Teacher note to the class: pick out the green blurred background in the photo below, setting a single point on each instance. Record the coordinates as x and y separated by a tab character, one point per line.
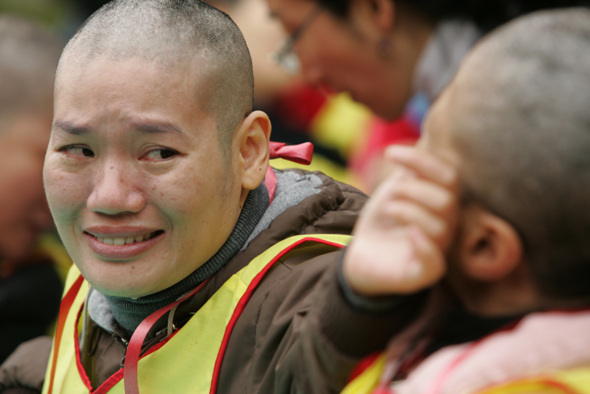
63	16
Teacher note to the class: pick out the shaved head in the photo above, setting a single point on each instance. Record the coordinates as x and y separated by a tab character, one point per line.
520	120
176	34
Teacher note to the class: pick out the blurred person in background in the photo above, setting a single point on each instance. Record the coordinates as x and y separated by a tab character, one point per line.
30	286
488	216
394	56
300	112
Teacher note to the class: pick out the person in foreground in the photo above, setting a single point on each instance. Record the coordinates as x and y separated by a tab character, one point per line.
489	214
196	269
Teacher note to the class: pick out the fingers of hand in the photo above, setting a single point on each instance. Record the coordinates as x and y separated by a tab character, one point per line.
423	191
429	257
407	263
408	213
424	165
413	201
404	229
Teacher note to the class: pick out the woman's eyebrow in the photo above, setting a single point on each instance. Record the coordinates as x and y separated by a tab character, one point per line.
157	127
70	128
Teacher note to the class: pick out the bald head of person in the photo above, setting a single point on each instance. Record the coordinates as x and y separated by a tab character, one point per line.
153	134
178	36
516	121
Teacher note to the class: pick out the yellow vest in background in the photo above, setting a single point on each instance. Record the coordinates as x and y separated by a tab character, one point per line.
573	381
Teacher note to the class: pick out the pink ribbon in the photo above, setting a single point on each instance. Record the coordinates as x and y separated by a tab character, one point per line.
301	154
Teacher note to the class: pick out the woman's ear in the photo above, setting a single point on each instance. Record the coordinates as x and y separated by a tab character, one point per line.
253	137
489	247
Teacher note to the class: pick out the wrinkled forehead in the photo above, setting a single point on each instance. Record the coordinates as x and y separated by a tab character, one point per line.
107	88
174	61
137	73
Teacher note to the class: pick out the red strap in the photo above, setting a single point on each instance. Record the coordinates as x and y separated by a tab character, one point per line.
64	308
301	154
136	342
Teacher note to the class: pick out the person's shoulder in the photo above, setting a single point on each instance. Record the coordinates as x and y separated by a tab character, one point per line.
313	202
317	182
24	370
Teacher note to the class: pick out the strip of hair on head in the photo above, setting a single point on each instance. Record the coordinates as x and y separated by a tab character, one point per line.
522	127
173	32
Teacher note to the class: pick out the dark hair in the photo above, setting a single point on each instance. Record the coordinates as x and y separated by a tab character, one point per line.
487	14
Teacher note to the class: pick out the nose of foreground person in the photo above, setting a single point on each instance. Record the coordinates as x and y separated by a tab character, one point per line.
115	191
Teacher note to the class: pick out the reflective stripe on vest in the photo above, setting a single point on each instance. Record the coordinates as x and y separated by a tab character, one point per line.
367	382
572	381
198	347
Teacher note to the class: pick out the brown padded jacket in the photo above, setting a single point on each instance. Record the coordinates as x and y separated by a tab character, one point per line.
299	333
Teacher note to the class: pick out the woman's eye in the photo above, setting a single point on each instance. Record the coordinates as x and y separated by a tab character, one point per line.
161	154
79	151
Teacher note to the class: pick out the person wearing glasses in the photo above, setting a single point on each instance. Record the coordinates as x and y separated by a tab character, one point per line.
393	56
197	268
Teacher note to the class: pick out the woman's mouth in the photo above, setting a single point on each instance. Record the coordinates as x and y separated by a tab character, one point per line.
120	241
123	247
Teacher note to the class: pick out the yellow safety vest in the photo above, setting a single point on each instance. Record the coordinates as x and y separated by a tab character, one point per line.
367	381
573	381
187	361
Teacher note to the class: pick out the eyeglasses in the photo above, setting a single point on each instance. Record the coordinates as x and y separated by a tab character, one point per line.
285	56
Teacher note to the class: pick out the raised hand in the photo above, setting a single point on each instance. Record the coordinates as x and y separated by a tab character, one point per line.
404	230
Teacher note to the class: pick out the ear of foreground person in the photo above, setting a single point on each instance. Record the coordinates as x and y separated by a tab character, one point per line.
505	243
